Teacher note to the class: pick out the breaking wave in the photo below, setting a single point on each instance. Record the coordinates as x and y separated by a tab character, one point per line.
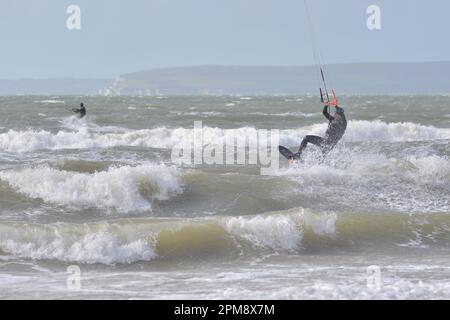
296	231
125	188
89	136
78	243
373	131
410	183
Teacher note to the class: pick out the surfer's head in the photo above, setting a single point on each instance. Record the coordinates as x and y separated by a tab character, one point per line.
338	112
82	104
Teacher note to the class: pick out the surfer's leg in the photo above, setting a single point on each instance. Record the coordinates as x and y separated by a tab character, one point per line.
328	145
316	140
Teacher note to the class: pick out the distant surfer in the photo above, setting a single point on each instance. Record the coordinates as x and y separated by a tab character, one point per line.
81	110
337	124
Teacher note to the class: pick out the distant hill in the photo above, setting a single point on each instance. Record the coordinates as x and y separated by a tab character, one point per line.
357	78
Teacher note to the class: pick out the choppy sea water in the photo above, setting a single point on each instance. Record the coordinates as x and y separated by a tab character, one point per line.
103	194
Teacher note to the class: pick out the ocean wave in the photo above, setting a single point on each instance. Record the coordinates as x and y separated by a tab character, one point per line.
78	165
123	188
89	136
372	131
392	287
144	239
409	183
51	101
84	124
393	132
430	171
94	243
275	232
288	232
288	114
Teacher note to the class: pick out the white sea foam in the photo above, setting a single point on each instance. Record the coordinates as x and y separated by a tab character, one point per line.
371	131
52	101
391	289
82	244
76	124
426	169
274	232
121	188
321	224
430	171
89	136
377	180
393	132
287	114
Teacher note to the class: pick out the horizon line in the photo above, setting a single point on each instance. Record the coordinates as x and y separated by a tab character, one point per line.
222	66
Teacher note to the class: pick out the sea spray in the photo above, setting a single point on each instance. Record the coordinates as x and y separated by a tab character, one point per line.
126	188
162	137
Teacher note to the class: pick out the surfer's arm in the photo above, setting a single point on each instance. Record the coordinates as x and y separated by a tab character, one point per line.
326	114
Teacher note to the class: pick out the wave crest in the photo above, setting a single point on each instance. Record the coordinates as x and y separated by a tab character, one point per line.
123	188
163	137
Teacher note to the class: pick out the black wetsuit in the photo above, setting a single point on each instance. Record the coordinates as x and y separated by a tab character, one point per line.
335	131
81	111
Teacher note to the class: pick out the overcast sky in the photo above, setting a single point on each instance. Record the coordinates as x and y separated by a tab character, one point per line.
120	36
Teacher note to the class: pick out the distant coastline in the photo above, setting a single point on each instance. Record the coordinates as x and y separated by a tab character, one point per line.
356	78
